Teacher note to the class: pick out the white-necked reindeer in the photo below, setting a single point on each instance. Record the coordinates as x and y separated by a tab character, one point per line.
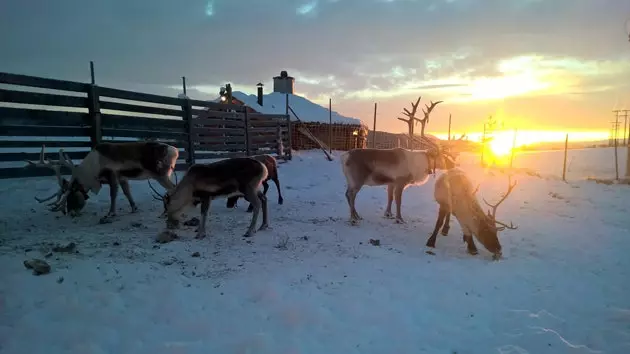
455	195
241	176
115	163
397	168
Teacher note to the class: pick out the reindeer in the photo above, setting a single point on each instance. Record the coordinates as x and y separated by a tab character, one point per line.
397	168
116	163
76	199
455	195
241	176
272	168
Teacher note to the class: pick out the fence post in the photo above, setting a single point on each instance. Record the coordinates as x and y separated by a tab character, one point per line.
279	146
188	125
94	112
248	143
564	165
374	128
289	128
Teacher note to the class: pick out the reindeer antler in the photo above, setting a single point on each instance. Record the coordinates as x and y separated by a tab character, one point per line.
494	207
55	166
428	110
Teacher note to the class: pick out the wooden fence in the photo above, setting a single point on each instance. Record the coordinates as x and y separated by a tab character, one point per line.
82	115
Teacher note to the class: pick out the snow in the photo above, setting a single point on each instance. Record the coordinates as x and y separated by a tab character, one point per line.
562	286
307	111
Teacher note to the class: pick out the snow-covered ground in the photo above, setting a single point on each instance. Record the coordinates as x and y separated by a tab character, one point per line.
315	284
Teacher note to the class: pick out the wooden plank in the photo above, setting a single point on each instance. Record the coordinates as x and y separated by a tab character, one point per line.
135	133
114	121
262	140
229	131
268	123
34	156
44	99
217	106
264	145
23	116
135	108
33	130
221	147
218	139
214	122
34	81
200	113
261	116
38	144
218	155
263	130
139	96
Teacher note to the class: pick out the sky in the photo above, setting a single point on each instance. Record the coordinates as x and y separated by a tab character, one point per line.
559	65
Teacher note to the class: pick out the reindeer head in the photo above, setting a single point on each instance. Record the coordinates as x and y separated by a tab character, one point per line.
489	226
166	197
440	158
74	198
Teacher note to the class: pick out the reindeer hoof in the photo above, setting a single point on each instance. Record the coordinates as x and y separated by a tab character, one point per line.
430	244
400	221
473	252
134	209
263	227
107	219
200	235
444	232
388	215
249	234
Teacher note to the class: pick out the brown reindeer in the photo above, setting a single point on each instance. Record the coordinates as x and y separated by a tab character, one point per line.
455	195
397	168
241	176
115	163
272	167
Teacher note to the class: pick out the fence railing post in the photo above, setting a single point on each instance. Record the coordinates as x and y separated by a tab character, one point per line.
188	126
94	112
279	144
248	142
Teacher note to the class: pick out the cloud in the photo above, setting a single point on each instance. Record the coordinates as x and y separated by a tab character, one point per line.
353	50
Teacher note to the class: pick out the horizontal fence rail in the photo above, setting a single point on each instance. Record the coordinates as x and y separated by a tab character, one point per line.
76	116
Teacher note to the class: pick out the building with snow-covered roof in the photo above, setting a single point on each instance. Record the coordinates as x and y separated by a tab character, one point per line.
310	121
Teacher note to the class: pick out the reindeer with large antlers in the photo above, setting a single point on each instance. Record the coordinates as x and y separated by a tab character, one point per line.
115	164
455	195
76	199
412	120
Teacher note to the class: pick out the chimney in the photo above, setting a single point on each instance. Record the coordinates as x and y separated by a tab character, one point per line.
260	94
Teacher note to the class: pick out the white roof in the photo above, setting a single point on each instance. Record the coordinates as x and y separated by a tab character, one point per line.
307	111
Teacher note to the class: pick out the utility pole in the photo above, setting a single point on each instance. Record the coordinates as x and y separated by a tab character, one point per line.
626	137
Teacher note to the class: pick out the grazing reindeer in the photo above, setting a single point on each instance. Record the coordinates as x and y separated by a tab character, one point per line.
397	168
272	168
76	199
455	195
117	163
241	176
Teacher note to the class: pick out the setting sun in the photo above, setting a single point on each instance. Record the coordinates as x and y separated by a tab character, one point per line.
501	145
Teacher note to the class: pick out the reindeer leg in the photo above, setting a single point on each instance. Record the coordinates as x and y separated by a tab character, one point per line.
472	248
124	185
265	215
277	182
112	180
265	189
390	198
447	224
440	220
351	195
398	189
253	196
205	208
231	202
